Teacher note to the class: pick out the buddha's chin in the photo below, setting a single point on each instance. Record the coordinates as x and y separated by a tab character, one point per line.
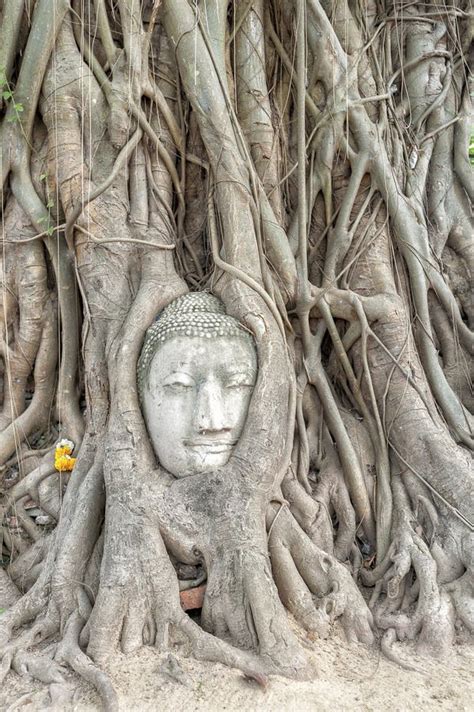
200	460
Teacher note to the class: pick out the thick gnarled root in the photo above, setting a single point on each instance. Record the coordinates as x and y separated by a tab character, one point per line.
462	595
101	629
241	604
137	603
413	608
461	589
302	571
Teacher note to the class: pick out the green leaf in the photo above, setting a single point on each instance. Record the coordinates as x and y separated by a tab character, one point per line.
43	176
18	107
7	94
50	203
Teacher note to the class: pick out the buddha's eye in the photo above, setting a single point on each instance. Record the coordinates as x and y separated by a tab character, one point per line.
239	384
178	385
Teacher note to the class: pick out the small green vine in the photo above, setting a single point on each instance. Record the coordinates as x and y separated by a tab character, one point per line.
9	97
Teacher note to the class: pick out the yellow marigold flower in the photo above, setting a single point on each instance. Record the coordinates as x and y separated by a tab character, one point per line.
63	461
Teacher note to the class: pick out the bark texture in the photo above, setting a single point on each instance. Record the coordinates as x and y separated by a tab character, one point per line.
307	162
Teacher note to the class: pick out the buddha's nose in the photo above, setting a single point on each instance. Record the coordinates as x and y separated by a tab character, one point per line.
210	411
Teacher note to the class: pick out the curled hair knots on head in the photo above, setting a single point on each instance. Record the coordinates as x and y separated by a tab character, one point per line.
195	314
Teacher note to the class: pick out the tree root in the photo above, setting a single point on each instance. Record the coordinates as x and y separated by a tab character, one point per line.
432	621
5	666
69	652
203	645
301	569
39	667
386	644
332	490
461	589
8	591
35	416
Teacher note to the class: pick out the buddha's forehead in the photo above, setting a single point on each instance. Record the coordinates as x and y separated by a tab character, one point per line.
202	355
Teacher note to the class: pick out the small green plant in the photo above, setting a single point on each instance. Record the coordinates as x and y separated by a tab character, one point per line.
49	229
9	97
471	149
17	106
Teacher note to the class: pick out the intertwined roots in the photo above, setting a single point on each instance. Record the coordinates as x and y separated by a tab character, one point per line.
313	175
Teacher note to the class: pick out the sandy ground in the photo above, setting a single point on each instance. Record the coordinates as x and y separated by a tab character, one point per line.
345	678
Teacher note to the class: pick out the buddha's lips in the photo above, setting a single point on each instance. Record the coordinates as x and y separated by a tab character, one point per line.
211	447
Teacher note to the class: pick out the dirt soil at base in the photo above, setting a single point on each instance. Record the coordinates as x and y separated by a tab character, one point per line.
346	677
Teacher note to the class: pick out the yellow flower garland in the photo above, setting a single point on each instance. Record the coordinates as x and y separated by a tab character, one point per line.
63	461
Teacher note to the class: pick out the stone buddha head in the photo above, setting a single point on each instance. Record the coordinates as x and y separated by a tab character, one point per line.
196	374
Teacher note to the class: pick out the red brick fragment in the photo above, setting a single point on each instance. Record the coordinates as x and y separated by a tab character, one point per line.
192	598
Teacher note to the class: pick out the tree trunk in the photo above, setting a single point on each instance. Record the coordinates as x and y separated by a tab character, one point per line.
307	162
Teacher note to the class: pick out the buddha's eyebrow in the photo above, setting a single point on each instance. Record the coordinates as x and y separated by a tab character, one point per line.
180	365
249	371
174	370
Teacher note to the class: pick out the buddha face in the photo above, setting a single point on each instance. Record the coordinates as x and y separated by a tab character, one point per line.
195	400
